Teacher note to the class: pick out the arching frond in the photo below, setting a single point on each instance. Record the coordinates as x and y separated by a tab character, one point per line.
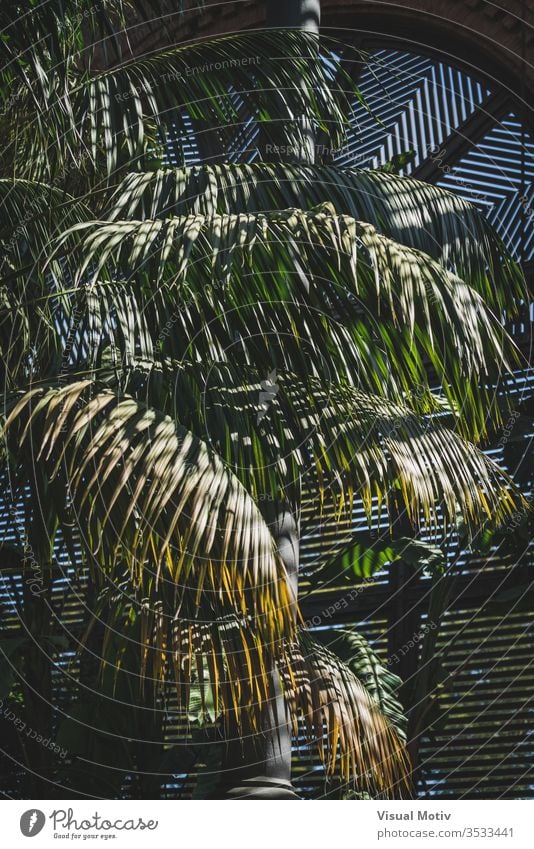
33	216
361	744
356	445
366	553
227	665
382	685
416	214
109	120
371	309
221	667
149	495
41	35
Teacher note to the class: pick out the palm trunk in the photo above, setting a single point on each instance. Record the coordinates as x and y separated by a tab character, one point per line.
283	145
260	767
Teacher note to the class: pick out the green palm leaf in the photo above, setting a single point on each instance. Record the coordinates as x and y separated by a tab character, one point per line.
354	444
108	120
368	553
33	216
416	214
135	359
387	308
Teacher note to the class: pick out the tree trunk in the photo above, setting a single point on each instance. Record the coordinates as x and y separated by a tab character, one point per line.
293	140
260	767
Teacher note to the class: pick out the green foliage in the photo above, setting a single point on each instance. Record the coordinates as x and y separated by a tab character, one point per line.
369	553
142	310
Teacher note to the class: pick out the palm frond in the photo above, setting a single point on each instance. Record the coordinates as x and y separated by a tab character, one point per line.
387	309
351	444
151	496
32	307
228	666
353	737
108	120
416	214
222	669
52	31
45	45
381	684
34	215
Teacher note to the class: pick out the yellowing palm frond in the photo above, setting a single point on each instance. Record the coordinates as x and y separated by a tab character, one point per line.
353	737
150	495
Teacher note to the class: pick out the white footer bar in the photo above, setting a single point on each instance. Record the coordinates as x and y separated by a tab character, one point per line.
260	825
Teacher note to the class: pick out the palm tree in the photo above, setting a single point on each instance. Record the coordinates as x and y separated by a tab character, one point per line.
190	353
